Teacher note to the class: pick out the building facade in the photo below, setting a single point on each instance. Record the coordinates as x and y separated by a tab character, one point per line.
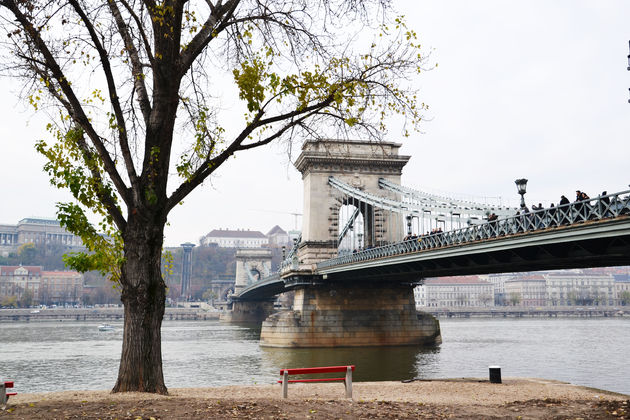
226	238
622	291
16	280
526	291
580	287
61	287
46	287
39	231
452	292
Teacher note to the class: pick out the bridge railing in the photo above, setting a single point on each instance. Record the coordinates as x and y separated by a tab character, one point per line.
601	207
288	261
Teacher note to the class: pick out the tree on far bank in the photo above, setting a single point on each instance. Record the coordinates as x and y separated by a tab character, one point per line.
134	94
27	253
514	298
9	302
26	299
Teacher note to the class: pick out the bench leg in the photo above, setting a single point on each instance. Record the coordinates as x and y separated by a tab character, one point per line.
3	394
348	382
285	384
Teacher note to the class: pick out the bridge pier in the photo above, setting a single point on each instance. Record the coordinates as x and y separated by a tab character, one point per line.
337	315
248	312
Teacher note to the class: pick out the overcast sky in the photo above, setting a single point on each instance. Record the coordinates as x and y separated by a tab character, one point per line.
533	89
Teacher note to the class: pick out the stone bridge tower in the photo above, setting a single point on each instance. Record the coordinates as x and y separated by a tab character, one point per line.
356	163
252	264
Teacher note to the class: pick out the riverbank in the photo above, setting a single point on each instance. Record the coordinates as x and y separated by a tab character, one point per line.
98	314
460	398
197	314
532	312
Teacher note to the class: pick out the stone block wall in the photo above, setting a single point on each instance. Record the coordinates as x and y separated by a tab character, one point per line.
337	316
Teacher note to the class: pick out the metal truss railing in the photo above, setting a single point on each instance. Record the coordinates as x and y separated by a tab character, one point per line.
271	278
457	205
415	209
603	207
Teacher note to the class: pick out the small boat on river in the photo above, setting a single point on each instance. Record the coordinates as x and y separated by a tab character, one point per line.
105	327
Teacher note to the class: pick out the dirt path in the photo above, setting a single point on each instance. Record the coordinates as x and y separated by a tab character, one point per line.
464	398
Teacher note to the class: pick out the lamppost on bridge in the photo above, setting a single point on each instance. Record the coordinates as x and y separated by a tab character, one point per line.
521	186
409	219
629	64
360	236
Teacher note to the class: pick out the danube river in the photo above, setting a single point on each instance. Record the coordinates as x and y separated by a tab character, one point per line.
51	356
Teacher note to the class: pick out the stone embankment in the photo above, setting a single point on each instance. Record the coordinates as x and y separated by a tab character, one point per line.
97	314
531	312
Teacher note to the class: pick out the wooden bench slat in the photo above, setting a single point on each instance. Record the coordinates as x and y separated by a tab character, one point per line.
315	380
324	369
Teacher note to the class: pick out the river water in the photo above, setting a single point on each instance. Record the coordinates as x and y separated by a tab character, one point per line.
51	356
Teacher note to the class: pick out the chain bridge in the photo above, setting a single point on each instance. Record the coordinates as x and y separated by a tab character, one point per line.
367	241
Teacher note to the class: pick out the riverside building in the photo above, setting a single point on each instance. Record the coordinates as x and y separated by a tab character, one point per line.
580	287
465	291
529	290
45	287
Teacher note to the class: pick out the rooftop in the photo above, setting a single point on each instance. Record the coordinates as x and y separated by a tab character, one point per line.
226	233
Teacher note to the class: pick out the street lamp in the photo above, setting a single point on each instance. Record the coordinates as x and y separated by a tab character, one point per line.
409	218
521	186
360	236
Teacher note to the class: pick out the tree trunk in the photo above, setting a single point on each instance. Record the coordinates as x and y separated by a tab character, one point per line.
143	296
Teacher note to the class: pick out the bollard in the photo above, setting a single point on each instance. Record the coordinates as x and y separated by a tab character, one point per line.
495	374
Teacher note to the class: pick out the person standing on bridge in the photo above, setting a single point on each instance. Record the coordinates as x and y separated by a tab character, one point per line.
604	205
581	206
552	215
564	210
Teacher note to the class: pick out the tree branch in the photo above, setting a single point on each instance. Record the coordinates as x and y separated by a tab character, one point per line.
209	166
208	32
73	104
136	64
113	95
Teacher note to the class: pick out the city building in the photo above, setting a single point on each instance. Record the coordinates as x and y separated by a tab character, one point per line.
622	288
526	290
15	280
61	287
240	238
498	281
39	231
449	292
278	237
580	287
46	287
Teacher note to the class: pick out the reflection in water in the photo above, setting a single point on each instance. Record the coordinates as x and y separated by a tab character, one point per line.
372	363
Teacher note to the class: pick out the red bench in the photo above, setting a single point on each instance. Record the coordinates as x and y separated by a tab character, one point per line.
347	380
4	395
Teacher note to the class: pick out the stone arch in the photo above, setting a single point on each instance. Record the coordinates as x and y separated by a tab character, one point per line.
249	260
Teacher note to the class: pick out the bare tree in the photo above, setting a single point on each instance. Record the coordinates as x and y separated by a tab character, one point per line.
131	84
